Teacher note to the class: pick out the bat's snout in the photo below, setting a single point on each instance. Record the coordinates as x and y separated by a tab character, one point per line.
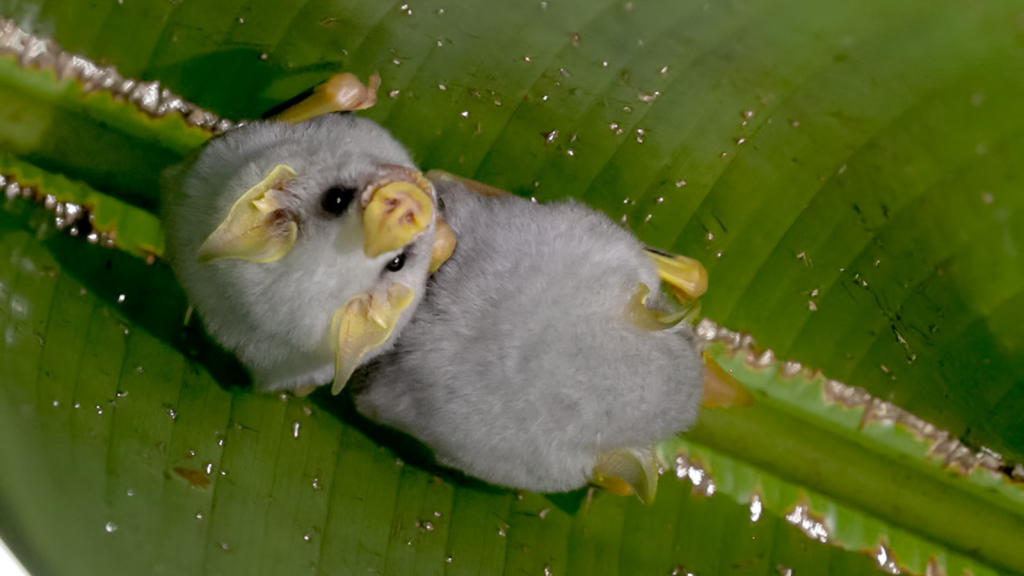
397	209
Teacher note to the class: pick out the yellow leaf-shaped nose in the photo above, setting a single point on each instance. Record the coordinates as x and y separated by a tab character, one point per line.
396	214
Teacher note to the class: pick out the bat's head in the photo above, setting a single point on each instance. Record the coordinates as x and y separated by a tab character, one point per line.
319	233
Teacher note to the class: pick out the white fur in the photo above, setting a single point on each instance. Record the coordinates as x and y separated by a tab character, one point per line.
276	317
519	366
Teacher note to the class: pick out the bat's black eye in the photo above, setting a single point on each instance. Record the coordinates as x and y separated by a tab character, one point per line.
337	199
396	264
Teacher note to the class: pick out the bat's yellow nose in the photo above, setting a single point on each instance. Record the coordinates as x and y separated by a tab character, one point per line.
397	213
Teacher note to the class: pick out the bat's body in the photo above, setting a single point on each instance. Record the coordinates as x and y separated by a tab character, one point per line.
522	365
268	269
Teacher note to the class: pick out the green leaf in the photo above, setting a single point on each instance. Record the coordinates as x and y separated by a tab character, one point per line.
848	173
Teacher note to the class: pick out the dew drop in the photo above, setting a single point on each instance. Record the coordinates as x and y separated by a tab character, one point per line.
549	137
613	126
574	38
394	93
627	109
604	64
437	514
448	559
570	152
664	70
680	183
316	483
428	526
465	114
755	508
307	410
110	527
120	298
442	87
172	413
501	532
710	236
295	429
396	62
130	492
659	200
199	515
723	154
543	513
740	140
56	403
307	537
747	114
209	467
225	546
527	59
564	72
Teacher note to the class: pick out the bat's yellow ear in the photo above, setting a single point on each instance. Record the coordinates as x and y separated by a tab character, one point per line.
256	229
721	390
444	245
627	470
361	325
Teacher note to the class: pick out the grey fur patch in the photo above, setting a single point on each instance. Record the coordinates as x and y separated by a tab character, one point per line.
519	366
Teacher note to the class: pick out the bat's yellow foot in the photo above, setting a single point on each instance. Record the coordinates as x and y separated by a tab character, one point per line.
340	93
685	277
628	470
